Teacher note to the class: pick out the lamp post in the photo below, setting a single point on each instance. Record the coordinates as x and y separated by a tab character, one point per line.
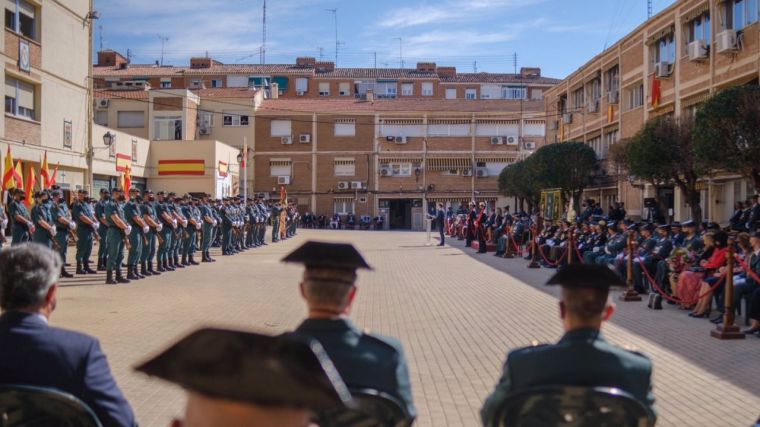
89	153
242	159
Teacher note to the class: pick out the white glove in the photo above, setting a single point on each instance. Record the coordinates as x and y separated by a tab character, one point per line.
128	230
72	225
145	229
215	223
174	223
4	223
53	230
184	223
596	249
160	227
197	225
95	226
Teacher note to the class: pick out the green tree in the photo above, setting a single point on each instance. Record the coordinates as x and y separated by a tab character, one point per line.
520	180
727	132
662	152
568	166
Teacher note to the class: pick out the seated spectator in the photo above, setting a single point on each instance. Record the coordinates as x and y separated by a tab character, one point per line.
690	278
754	314
241	379
34	353
713	271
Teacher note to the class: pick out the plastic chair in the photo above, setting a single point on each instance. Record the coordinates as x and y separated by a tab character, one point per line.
373	409
32	406
566	406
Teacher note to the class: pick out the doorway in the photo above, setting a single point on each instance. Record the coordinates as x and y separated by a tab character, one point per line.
400	212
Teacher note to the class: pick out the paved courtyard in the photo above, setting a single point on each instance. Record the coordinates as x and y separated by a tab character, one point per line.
456	312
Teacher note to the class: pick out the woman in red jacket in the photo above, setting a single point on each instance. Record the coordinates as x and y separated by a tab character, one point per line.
713	265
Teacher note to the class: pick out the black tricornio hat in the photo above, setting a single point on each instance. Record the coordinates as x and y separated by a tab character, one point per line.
283	371
689	223
103	191
586	276
328	255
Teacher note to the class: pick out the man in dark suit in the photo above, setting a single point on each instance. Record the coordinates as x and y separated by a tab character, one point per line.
440	220
582	357
750	285
34	353
363	360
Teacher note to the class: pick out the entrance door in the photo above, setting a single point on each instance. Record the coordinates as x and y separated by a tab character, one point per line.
400	214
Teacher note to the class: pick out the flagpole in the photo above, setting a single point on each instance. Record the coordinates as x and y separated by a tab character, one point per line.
245	168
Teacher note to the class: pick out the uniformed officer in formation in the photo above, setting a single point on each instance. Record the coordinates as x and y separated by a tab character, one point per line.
65	224
87	228
363	360
582	357
138	234
22	225
169	224
275	216
179	232
207	230
3	224
118	230
191	212
148	212
100	215
43	221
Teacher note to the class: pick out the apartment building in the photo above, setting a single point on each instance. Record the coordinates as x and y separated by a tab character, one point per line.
669	65
45	68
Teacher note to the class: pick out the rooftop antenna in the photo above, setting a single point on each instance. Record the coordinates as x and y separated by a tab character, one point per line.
649	9
321	53
400	51
335	17
100	29
474	66
264	35
163	39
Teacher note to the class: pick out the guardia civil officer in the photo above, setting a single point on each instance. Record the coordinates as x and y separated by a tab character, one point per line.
582	357
87	228
61	216
148	211
138	231
118	230
22	226
209	222
43	221
100	215
169	223
363	360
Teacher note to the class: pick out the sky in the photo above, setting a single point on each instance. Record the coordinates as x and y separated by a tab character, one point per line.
474	35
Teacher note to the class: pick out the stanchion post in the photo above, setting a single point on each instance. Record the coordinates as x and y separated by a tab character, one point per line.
508	252
570	246
534	249
630	293
728	331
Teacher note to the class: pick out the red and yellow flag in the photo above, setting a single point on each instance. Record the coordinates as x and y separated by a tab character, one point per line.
656	92
44	173
283	194
19	175
9	172
30	182
54	176
181	167
127	180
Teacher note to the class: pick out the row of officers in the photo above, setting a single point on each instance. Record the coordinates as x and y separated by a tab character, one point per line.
144	227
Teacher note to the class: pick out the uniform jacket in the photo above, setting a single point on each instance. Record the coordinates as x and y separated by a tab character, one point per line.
581	358
34	353
363	360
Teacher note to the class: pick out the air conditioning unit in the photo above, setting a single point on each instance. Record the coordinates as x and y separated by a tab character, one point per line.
510	140
283	180
357	185
286	140
203	130
304	138
466	172
300	93
103	104
400	140
385	170
481	173
554	125
613	97
567	118
390	138
698	50
496	140
593	106
726	41
663	69
344	185
530	145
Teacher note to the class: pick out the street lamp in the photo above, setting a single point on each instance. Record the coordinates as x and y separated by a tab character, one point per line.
109	138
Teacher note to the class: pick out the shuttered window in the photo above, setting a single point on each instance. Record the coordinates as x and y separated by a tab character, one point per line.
130	119
344	89
281	127
345	127
280	167
19	98
345	167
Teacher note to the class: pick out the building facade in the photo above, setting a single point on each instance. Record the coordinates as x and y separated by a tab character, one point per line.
669	65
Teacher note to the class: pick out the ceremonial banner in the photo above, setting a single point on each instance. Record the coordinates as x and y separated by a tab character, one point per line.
11	178
123	162
44	174
181	167
224	169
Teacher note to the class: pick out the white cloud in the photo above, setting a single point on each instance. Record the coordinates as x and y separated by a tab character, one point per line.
449	11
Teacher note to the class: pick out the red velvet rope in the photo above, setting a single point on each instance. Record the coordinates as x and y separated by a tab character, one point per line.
668	297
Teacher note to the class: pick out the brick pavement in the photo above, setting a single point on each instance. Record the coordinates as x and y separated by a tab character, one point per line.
456	312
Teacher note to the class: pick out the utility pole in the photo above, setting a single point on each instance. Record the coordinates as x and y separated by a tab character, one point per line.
400	51
264	35
164	39
335	17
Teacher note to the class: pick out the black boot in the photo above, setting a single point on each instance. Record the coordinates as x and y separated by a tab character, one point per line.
650	302
65	273
136	272
109	278
144	271
79	268
184	260
87	268
130	273
205	257
151	270
101	264
658	302
119	278
160	267
192	260
168	266
177	263
208	255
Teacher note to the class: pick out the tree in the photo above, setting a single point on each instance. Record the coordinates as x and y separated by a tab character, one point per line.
662	152
520	180
727	132
569	166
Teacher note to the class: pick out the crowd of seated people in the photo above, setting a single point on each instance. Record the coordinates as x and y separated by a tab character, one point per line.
342	222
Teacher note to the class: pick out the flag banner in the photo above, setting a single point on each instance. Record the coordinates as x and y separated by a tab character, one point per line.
656	92
127	180
45	174
11	179
123	161
30	182
224	169
181	167
54	177
19	175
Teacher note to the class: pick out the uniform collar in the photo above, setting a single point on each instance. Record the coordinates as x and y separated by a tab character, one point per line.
583	334
329	324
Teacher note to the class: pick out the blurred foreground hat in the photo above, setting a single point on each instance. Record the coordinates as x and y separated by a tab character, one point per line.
328	255
586	276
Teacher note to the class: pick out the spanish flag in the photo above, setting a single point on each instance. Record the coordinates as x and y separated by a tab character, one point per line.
11	178
181	167
44	173
54	176
19	173
127	179
30	182
656	92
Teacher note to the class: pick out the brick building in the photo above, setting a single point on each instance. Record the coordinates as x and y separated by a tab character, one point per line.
691	49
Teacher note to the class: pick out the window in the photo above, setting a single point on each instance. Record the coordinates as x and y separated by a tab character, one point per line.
636	96
739	14
609	139
470	93
216	83
386	88
280	128
302	84
237	81
20	16
280	167
345	167
344	206
578	98
344	89
166	83
665	49
451	93
699	29
448	127
324	88
401	169
450	172
612	80
407	89
594	89
167	128
230	118
196	83
596	144
345	127
134	150
130	119
427	88
513	92
206	121
536	94
19	98
101	118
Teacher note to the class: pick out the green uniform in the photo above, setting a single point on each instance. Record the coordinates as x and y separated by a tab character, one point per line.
100	214
581	358
363	360
149	250
61	210
19	230
207	229
167	232
85	232
115	235
132	210
275	215
41	213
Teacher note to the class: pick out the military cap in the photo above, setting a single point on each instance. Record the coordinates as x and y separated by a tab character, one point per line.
628	222
713	226
612	226
116	190
148	192
689	223
38	194
103	191
55	187
161	193
282	371
648	226
663	227
56	193
83	191
134	190
328	255
586	276
19	191
171	193
676	224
